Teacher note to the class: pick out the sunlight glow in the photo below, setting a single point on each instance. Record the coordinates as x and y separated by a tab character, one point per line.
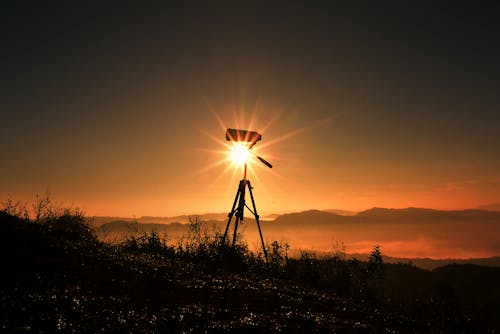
239	153
232	156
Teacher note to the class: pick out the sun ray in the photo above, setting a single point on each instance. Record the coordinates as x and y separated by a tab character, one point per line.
216	115
210	166
232	155
271	122
215	139
223	173
253	117
298	131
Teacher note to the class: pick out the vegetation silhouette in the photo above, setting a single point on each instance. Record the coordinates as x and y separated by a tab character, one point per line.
57	276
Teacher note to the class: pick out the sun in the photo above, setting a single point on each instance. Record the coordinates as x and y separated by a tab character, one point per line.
239	153
235	156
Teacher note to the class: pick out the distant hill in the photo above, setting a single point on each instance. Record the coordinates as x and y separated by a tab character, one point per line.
388	215
271	216
426	215
490	207
402	233
120	226
182	219
430	264
341	212
314	217
379	214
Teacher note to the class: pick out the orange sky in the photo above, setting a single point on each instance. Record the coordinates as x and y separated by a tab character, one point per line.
182	175
363	106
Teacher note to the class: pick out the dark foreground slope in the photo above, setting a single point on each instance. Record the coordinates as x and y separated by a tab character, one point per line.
57	277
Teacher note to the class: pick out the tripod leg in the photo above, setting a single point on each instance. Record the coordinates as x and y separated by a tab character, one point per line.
235	233
239	210
257	219
231	214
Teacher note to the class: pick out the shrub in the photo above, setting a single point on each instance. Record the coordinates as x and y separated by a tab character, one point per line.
277	254
150	244
375	267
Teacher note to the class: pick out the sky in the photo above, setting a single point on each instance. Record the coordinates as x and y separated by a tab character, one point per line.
120	108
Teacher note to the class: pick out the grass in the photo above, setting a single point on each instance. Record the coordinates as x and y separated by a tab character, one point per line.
57	276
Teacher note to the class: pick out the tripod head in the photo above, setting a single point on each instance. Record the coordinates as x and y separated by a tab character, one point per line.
247	139
239	136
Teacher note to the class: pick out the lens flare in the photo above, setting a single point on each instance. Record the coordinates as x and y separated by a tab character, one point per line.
233	156
239	153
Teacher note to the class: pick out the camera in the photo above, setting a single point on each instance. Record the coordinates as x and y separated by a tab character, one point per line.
243	136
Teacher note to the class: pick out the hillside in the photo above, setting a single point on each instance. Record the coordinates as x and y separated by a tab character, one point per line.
410	233
97	221
58	277
402	233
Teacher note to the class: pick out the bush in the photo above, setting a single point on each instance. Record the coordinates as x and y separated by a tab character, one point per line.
69	224
375	267
150	244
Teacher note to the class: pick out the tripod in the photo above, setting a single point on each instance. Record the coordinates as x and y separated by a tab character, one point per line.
238	211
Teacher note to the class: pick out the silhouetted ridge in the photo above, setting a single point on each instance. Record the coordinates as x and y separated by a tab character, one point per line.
423	215
119	226
408	213
310	217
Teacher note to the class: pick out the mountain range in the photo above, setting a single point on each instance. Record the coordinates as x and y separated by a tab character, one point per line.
401	233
